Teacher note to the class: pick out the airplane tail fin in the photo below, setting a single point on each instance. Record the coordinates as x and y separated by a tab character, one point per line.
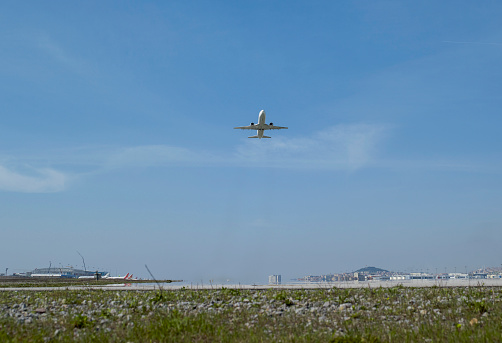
259	137
125	277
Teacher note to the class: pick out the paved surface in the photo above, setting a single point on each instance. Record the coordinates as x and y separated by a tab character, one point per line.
348	284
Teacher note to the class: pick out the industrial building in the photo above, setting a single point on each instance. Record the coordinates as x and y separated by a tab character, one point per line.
63	272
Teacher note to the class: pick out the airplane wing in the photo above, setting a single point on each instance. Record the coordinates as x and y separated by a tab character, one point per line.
272	127
249	127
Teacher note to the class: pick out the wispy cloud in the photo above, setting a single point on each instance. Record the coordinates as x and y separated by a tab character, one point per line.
40	181
341	147
345	147
159	155
62	56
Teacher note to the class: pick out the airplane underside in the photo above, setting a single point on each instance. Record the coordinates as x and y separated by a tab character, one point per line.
259	134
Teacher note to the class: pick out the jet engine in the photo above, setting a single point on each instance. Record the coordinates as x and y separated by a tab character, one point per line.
271	124
252	124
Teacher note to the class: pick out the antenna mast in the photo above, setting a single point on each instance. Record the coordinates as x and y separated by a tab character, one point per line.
82	260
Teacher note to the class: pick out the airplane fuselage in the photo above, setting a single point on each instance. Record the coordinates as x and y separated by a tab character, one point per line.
261	122
261	117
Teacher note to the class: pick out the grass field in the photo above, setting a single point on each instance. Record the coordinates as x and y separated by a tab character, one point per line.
398	314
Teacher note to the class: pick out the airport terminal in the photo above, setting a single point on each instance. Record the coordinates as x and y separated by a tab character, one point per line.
59	272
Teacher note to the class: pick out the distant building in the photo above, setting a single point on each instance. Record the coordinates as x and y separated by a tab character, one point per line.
66	272
493	276
458	276
372	271
421	276
274	280
360	277
479	275
21	274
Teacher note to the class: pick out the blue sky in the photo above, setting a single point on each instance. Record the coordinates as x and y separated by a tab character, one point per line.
116	136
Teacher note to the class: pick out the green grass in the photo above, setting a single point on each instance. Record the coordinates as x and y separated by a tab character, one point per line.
399	314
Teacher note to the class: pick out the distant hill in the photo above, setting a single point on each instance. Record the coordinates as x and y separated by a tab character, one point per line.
371	270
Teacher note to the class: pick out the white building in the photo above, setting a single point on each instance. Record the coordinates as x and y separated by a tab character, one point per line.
458	276
274	280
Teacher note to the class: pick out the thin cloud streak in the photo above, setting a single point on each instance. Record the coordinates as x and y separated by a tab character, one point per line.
44	181
55	51
158	155
341	147
346	147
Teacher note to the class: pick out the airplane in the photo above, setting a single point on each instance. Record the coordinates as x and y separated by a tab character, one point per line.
260	127
108	277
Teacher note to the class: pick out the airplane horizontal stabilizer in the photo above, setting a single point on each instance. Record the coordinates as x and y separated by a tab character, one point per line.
253	137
